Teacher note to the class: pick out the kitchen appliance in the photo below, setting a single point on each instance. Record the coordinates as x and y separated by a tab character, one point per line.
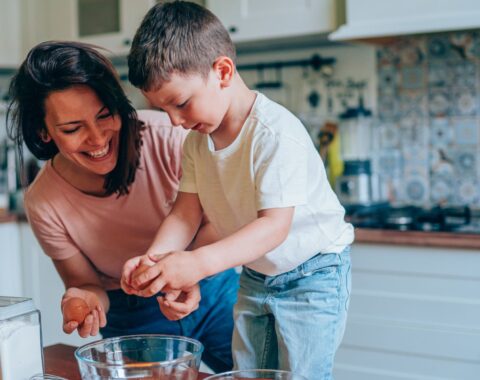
264	374
412	218
151	356
20	339
357	186
354	186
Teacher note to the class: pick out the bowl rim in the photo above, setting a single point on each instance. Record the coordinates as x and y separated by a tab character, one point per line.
98	364
241	371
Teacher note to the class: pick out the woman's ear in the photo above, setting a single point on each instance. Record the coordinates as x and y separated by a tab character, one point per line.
45	136
224	69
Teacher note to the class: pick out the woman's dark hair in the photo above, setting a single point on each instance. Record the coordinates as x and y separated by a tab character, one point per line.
55	66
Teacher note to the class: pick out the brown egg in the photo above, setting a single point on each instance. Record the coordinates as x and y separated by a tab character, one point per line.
138	271
75	309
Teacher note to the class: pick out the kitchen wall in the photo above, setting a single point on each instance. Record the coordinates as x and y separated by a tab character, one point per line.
353	75
425	94
429	118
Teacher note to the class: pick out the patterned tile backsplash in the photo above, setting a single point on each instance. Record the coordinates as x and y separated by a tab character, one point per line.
429	119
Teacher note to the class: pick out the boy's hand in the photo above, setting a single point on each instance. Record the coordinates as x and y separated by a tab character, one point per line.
178	304
131	270
177	270
92	321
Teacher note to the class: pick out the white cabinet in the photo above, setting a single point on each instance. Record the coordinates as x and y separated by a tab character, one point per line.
250	20
414	314
110	24
380	18
14	17
107	23
10	261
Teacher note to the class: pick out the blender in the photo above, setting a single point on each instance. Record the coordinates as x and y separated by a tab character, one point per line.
355	187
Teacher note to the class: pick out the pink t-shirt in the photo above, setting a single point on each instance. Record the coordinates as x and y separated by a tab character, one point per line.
109	230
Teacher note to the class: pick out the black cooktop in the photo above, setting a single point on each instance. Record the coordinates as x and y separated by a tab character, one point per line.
413	218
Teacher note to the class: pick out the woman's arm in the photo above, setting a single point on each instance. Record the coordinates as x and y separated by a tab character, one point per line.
82	281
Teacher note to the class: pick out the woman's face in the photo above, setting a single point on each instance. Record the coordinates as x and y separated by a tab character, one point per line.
83	129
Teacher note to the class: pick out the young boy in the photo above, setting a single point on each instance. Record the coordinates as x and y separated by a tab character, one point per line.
252	169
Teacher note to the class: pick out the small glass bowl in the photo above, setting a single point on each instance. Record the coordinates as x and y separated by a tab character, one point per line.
46	376
263	374
149	356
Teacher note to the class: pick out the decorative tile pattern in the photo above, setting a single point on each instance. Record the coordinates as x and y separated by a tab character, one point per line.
429	119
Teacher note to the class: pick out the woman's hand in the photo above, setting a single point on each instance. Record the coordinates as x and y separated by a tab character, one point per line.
92	321
177	304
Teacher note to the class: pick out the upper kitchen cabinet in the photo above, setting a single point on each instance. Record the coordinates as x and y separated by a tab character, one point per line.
379	18
107	23
253	20
19	20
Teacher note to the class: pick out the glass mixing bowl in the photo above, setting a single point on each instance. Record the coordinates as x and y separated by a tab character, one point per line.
262	374
164	357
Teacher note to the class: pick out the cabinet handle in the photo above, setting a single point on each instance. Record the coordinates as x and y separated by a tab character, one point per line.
232	29
127	42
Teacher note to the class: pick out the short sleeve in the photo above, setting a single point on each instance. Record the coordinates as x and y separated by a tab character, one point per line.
188	183
50	233
280	169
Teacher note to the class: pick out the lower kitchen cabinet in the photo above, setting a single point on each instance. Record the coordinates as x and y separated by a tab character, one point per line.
414	314
10	261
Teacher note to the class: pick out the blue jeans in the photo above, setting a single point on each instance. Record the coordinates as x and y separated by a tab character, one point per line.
294	321
211	323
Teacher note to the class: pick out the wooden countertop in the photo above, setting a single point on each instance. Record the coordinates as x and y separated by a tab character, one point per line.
60	361
418	238
9	217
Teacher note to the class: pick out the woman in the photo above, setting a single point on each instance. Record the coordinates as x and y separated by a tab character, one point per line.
110	179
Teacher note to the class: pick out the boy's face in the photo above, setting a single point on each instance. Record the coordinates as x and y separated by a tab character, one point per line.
192	101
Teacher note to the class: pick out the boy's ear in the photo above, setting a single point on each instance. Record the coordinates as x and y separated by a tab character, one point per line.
224	70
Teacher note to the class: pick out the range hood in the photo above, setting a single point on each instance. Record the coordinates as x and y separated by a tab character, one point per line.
367	19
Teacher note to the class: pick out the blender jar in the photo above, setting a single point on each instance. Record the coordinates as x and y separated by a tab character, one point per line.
20	339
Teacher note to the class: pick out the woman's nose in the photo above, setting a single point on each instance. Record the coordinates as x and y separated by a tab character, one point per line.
96	136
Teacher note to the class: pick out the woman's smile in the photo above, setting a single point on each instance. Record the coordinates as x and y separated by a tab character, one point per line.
101	153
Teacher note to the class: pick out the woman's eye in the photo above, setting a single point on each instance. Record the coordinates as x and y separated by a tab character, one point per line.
104	116
70	131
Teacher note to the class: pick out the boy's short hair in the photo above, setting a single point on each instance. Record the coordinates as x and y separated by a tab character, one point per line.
179	37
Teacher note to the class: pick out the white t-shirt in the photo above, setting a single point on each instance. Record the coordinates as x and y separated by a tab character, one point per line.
271	164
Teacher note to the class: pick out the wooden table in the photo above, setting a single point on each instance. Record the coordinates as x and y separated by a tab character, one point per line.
60	361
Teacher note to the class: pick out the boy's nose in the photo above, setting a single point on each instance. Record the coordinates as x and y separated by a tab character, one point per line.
176	119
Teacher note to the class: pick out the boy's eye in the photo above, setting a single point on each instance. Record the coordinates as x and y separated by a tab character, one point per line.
183	104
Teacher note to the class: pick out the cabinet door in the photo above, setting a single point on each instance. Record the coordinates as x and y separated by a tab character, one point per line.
107	23
249	20
10	38
10	261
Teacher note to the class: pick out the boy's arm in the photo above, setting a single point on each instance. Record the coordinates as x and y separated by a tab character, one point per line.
179	227
249	243
181	269
175	233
